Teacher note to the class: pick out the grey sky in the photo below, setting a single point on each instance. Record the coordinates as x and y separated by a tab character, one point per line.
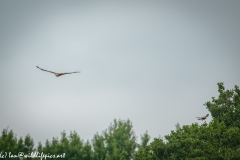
154	62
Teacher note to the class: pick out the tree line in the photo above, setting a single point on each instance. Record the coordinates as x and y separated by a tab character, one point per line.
216	140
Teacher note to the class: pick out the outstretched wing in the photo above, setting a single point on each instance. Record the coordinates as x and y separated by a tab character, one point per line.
45	70
205	116
68	73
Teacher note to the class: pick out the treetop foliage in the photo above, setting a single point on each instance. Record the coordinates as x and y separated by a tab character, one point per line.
216	140
226	108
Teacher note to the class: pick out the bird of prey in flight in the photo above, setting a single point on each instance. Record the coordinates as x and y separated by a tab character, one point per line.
202	118
58	74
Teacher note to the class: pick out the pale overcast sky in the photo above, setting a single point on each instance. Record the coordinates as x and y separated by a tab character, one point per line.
153	62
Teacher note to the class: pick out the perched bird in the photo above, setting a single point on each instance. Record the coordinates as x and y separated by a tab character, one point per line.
202	118
58	74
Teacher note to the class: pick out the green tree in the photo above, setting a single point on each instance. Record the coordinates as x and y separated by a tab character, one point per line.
116	143
144	140
75	146
218	140
212	141
28	144
87	151
142	146
8	143
12	146
99	148
120	140
20	144
72	146
226	108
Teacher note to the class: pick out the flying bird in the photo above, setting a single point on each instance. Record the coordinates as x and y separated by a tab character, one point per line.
58	74
202	118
